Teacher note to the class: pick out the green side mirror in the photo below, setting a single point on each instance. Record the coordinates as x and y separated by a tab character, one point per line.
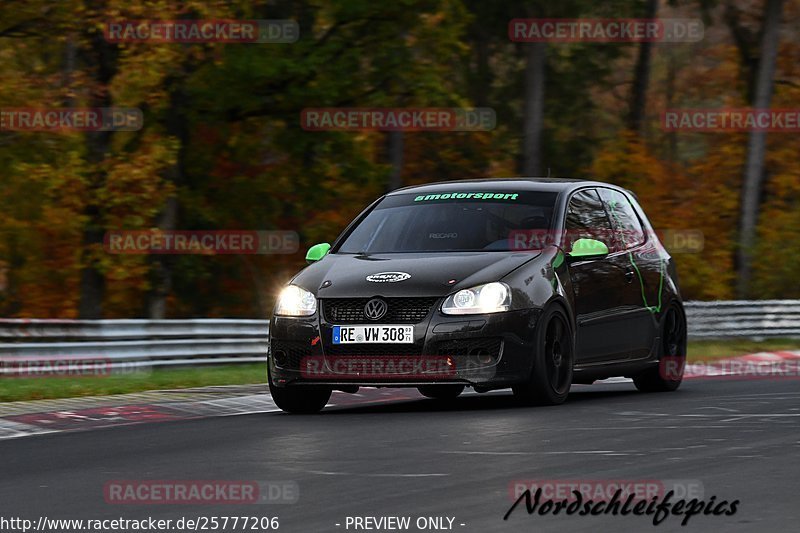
587	249
317	252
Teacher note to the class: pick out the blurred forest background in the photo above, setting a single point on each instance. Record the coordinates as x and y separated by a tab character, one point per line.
222	146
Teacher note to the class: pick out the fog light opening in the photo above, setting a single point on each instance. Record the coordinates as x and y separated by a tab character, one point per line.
280	357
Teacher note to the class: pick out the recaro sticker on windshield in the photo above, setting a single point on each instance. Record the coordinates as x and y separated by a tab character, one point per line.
467	195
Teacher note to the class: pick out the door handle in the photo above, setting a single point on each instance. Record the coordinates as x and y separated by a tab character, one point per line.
629	276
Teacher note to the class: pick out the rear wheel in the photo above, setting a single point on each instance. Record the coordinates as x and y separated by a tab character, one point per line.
668	374
441	392
300	400
551	377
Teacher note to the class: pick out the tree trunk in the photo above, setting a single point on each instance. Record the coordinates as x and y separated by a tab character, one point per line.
534	109
672	136
103	64
482	81
754	166
641	78
161	266
396	159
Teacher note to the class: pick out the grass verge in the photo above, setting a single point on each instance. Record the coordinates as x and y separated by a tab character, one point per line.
39	388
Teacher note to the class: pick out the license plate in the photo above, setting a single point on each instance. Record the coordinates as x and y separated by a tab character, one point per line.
373	334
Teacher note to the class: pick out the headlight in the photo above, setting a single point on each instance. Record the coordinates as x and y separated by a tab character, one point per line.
490	298
294	301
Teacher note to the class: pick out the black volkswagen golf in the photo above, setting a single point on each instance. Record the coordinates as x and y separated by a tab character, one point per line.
532	284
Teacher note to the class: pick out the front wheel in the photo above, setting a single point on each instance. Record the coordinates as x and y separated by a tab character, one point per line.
668	374
300	400
551	377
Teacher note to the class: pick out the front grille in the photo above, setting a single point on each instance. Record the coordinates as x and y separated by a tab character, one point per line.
373	350
400	310
478	346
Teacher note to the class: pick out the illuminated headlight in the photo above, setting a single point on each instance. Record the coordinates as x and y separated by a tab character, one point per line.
294	301
490	298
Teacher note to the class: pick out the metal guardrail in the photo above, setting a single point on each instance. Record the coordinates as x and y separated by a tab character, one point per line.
129	344
19	329
758	319
146	343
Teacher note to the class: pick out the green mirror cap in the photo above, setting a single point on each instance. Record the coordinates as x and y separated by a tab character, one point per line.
559	260
588	248
317	252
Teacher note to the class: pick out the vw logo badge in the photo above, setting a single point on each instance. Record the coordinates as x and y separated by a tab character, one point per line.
375	309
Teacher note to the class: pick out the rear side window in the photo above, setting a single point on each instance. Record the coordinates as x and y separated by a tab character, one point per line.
587	219
626	222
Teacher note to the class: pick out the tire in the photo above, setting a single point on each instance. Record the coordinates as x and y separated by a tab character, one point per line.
300	400
668	374
441	392
551	376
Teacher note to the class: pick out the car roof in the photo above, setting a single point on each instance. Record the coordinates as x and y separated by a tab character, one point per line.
503	184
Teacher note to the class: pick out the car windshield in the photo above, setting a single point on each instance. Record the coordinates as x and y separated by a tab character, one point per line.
458	221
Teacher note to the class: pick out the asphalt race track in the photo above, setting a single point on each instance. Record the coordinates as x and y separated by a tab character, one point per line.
739	439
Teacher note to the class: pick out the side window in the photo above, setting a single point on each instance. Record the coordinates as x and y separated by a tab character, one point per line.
587	219
627	225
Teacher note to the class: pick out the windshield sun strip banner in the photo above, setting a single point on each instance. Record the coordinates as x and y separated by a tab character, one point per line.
467	195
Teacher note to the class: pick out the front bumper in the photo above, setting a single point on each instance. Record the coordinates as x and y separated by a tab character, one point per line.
486	351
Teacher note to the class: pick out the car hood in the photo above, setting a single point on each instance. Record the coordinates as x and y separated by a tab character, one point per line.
431	274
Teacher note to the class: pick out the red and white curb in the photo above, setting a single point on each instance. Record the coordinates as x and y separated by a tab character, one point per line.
22	419
761	365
